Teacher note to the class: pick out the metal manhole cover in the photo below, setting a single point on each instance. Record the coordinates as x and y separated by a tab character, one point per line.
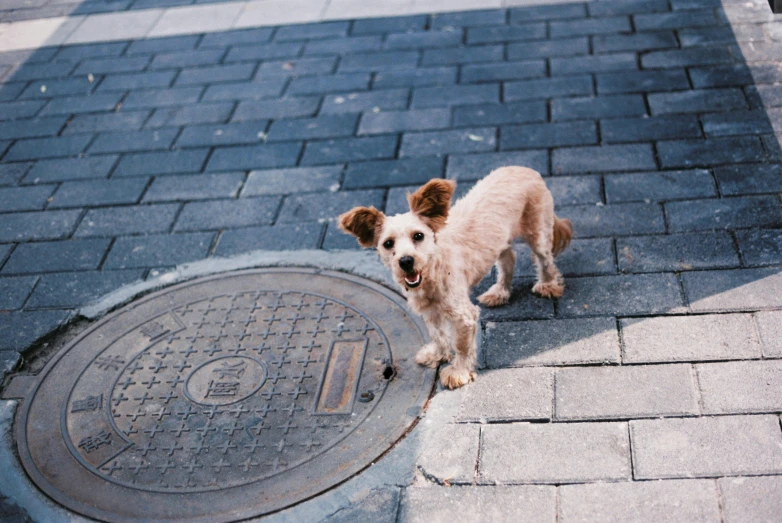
225	398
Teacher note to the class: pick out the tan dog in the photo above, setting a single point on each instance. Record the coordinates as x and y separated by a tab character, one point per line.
438	254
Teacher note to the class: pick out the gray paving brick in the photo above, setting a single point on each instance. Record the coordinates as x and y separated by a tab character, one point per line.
191	58
195	187
547	12
424	39
208	74
138	219
750	499
747	289
32	71
384	173
31	128
81	104
157	45
741	387
533	504
111	65
680	500
721	76
598	63
595	393
654	128
608	43
5	249
14	291
648	22
397	121
23	328
621	219
344	45
548	48
496	114
697	101
523	305
621	295
736	123
689	338
45	225
317	207
467	19
151	98
379	61
659	186
506	33
71	169
20	109
478	139
10	90
124	82
252	53
476	166
277	238
547	88
389	24
583	341
760	247
224	214
712	151
677	252
311	31
273	109
362	101
642	81
728	213
299	179
308	128
11	173
463	55
298	66
721	35
589	26
628	7
70	255
222	134
544	135
24	198
770	328
455	95
348	149
554	453
509	395
607	158
195	114
254	157
75	289
158	250
254	90
597	107
242	36
420	77
129	141
706	447
692	56
52	88
94	193
503	71
450	452
37	148
94	123
328	83
582	258
168	162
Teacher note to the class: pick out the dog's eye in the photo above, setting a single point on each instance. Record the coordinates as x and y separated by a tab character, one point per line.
417	237
388	244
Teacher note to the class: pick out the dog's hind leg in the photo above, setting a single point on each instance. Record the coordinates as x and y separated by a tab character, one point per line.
499	293
550	283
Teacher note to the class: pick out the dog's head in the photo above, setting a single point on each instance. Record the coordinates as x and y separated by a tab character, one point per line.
405	242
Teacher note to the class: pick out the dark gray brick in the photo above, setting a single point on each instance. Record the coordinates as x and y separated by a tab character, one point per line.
627	7
168	162
76	289
478	139
455	95
729	213
162	97
764	96
548	88
760	247
298	66
79	52
523	305
497	114
14	291
397	121
42	71
94	193
93	123
22	329
5	249
147	140
37	148
677	252
331	83
506	33
386	173
245	90
468	19
503	71
136	219
309	128
547	135
686	57
71	169
420	77
194	114
299	179
81	104
621	295
159	45
317	207
253	53
582	258
548	48
277	238
344	45
31	128
20	109
111	65
547	12
589	26
476	166
52	88
749	179
336	239
70	255
362	101
9	91
124	82
736	123
389	24
714	151
721	290
659	186
158	250
242	36
24	198
634	42
424	39
176	60
597	107
349	149
254	157
599	63
646	129
463	55
697	101
211	74
679	20
194	187
223	214
620	219
11	173
310	31
722	76
720	35
273	109
607	158
228	134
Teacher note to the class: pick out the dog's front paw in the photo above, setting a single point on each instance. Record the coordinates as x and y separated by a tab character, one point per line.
429	356
454	376
496	296
552	289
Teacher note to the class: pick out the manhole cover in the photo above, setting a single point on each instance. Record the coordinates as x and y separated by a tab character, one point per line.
225	397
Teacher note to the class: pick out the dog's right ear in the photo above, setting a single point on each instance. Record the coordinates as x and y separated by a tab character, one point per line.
363	223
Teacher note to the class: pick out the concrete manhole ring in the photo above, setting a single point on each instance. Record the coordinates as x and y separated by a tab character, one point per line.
225	397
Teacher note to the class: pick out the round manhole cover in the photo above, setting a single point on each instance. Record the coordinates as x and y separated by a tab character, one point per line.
225	398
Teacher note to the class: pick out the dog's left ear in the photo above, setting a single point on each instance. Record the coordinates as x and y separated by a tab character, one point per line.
432	202
363	223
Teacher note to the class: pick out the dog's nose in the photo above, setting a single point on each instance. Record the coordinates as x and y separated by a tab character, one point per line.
406	263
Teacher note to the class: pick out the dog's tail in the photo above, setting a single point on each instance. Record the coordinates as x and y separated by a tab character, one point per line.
563	233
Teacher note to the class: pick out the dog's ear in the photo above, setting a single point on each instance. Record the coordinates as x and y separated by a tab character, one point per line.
363	223
432	202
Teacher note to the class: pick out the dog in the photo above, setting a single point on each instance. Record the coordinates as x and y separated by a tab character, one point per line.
437	253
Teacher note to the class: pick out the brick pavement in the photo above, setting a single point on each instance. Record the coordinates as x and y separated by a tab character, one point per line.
655	123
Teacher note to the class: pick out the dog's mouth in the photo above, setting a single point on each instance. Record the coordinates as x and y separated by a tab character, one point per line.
413	280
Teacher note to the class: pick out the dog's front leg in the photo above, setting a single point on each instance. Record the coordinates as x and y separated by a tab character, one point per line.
462	368
438	350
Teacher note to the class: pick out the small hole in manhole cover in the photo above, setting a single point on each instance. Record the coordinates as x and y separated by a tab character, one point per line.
240	393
